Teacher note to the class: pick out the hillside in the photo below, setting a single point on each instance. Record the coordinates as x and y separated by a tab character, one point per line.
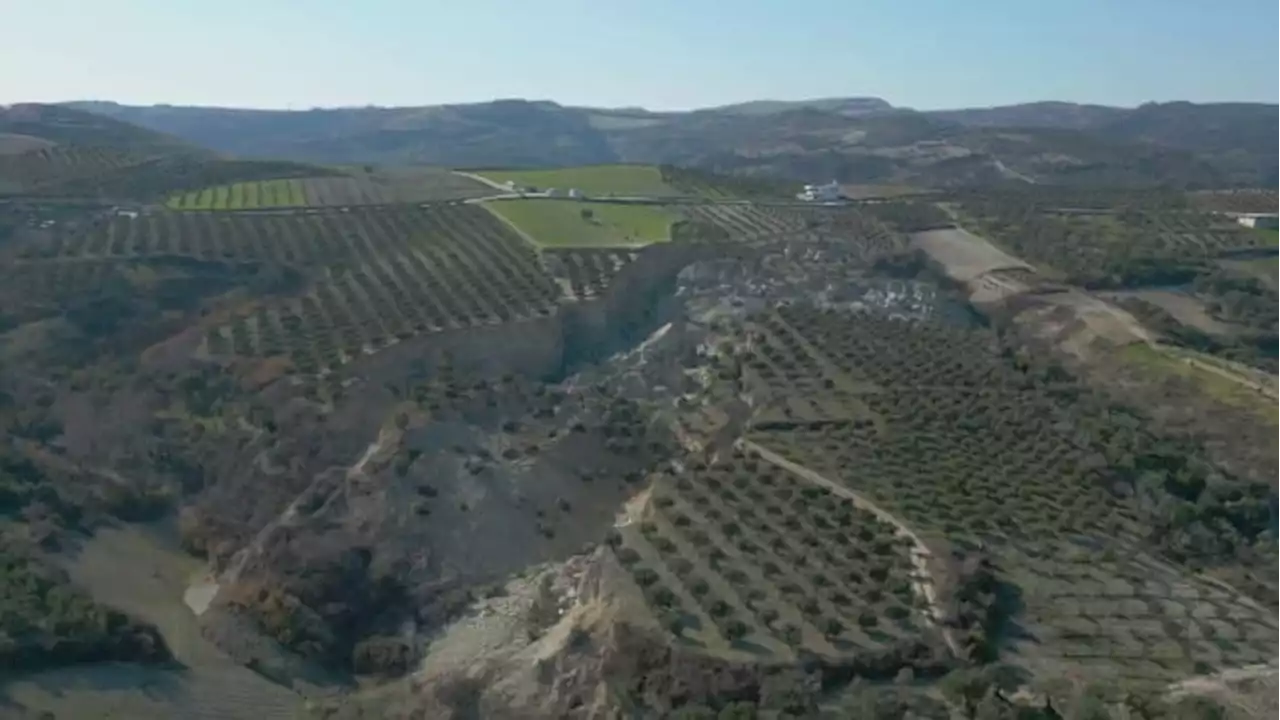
63	125
1239	136
57	152
862	140
280	440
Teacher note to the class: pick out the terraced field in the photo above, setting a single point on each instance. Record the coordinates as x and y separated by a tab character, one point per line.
344	190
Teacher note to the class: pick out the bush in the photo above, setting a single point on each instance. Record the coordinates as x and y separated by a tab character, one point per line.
45	622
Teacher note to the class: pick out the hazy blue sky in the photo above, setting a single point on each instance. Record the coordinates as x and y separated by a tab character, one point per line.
662	54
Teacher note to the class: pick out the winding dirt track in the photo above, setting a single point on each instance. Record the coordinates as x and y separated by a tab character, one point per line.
919	554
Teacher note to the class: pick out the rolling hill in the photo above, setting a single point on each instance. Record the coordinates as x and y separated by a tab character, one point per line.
850	139
383	443
54	151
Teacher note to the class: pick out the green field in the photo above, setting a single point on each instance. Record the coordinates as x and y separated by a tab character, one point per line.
591	179
383	187
560	223
243	196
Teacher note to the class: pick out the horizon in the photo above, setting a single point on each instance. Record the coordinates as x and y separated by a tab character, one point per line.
663	57
629	108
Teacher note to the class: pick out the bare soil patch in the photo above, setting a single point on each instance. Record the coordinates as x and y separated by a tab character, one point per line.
963	255
1186	308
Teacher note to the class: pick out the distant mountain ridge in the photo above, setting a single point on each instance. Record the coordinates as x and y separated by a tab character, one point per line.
857	139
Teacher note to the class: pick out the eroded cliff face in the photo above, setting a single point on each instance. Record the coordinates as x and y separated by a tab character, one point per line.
449	463
570	640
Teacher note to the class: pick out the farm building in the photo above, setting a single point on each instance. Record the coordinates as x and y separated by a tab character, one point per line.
821	193
575	194
1262	221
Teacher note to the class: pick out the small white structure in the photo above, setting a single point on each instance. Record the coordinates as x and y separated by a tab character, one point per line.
553	192
821	193
1261	221
575	193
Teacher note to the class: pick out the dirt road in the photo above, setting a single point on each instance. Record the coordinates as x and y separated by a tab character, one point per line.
919	554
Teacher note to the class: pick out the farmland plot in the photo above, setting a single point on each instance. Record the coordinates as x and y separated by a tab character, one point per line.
31	169
746	222
321	238
392	275
743	558
569	223
585	272
378	188
963	445
1124	249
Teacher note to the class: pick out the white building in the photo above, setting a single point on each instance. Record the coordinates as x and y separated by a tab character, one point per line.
575	193
821	193
1262	221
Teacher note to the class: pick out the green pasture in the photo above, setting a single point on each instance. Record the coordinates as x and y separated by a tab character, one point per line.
570	223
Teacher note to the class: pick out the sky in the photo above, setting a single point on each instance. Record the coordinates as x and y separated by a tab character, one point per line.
659	54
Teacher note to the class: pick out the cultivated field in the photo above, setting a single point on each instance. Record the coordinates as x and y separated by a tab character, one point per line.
957	443
1259	201
585	272
591	179
569	223
702	183
743	557
1110	250
392	275
362	189
318	238
746	222
38	167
